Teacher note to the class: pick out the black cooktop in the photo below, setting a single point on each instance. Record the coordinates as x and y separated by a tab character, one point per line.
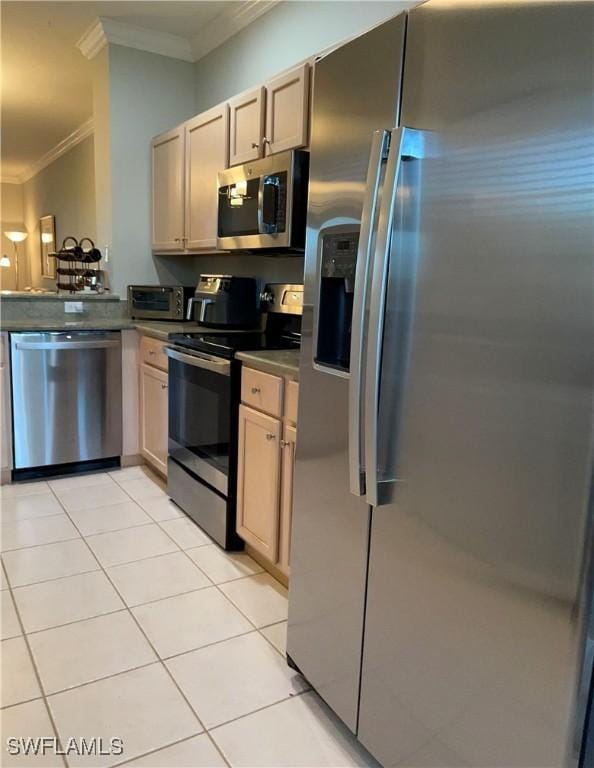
227	344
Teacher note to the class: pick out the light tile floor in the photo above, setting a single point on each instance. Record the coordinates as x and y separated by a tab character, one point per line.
120	618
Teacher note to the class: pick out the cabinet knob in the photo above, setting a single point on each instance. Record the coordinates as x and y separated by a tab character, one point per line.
255	145
255	390
284	443
177	239
151	351
163	386
270	436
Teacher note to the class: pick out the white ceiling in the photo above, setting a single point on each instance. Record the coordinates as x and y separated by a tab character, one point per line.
46	82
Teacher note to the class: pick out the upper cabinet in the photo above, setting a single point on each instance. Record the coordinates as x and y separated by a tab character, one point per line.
247	126
168	190
287	111
207	152
271	118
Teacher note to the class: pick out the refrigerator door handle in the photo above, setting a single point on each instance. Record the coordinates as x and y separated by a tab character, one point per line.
405	144
377	157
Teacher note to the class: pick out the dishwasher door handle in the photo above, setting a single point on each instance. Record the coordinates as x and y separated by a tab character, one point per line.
44	345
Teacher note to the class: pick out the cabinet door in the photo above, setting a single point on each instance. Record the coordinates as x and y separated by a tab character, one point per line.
154	420
207	152
168	190
286	498
287	111
258	481
247	126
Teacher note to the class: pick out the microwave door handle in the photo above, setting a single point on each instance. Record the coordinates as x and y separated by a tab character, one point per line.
267	195
405	144
377	156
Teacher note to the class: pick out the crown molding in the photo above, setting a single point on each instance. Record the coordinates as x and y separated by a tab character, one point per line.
227	24
93	40
74	138
10	179
106	30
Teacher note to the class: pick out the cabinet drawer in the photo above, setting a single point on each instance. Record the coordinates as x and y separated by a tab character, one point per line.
262	391
291	401
152	352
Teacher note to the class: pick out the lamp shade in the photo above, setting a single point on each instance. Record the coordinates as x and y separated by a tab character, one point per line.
16	233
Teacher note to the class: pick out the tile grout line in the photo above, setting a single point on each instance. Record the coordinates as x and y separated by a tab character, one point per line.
158	656
36	673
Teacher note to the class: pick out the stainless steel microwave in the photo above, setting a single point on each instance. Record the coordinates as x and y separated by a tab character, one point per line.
263	204
159	302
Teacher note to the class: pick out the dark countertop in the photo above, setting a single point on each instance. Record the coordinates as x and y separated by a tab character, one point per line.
158	329
283	362
88	324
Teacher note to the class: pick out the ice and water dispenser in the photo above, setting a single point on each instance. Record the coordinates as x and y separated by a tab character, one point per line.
338	260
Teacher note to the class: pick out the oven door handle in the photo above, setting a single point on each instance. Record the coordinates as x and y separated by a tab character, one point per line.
199	361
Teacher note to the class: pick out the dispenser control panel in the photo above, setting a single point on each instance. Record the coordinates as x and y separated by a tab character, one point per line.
335	307
339	255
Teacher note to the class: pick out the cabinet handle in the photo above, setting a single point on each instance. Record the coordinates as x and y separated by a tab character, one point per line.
270	436
255	390
163	386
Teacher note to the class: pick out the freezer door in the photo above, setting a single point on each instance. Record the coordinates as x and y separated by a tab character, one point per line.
356	94
483	429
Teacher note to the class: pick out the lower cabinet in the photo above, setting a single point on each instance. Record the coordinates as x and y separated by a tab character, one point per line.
258	481
286	501
266	459
154	416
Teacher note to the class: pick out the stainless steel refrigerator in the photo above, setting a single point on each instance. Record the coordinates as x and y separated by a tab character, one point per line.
440	574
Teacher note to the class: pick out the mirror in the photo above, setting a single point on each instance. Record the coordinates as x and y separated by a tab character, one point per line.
47	242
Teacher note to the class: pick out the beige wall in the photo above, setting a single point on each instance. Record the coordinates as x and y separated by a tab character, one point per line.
65	189
289	33
11	213
136	95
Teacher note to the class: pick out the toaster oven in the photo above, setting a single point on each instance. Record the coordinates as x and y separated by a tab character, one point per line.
159	302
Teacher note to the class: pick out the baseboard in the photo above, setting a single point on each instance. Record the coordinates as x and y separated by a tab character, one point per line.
134	460
267	565
4	476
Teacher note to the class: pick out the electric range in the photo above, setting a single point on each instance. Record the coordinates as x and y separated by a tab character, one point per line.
204	396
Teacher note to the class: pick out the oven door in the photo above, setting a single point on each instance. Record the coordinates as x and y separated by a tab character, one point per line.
200	413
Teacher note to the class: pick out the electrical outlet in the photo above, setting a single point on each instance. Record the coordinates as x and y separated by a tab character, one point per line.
72	307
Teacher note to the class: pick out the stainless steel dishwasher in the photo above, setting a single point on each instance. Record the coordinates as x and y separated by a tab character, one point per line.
66	397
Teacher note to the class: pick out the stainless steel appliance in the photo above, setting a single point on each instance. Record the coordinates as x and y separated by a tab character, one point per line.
226	301
262	205
66	399
439	574
204	394
159	302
